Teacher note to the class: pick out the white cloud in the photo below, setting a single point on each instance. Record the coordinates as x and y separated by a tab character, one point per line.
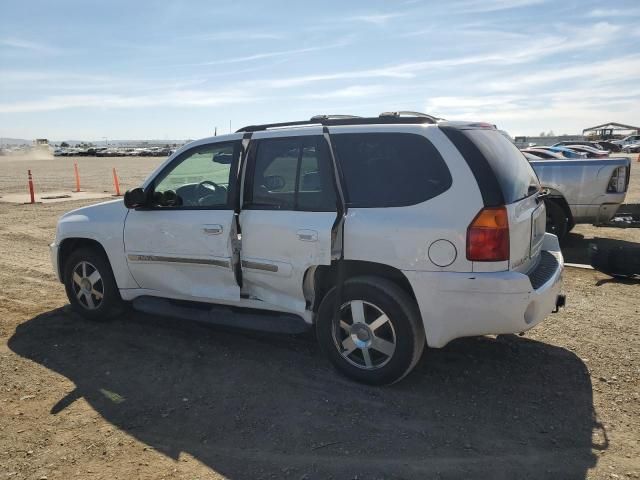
354	91
176	98
275	54
622	69
481	6
21	44
377	18
238	35
614	12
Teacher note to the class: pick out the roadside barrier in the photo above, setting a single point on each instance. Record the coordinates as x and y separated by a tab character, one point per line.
75	167
116	183
31	192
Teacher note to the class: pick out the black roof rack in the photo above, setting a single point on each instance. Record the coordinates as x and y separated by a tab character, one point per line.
328	120
333	117
408	113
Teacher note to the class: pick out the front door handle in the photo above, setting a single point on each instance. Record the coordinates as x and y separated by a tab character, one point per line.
307	235
212	229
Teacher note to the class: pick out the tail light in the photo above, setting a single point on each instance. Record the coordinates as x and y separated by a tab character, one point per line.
618	181
488	236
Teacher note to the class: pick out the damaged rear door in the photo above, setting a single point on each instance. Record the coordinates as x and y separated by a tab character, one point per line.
288	210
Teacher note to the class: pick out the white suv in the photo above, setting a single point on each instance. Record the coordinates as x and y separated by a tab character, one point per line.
385	233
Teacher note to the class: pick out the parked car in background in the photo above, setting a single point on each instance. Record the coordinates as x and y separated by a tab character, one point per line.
606	145
591	152
631	148
582	190
531	156
563	151
542	153
627	140
437	229
577	142
579	190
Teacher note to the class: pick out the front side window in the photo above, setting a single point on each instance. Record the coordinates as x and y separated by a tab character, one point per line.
200	178
290	174
390	169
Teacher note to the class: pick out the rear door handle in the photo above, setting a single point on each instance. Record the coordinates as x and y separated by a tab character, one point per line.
307	235
212	229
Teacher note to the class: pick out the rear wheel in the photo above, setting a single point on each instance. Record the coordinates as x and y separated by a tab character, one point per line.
557	222
90	285
377	337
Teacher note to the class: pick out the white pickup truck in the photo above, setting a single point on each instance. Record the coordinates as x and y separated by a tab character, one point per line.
386	233
582	190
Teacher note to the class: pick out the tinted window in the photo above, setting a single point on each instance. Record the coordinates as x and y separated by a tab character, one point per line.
390	169
515	176
290	174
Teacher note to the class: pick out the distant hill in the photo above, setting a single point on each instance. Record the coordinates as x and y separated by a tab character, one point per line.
15	141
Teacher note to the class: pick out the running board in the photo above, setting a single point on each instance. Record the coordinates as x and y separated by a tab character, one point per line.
249	319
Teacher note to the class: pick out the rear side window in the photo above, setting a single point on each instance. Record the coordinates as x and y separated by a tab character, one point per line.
390	169
503	173
515	176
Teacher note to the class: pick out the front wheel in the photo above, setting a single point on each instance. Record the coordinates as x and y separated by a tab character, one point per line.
377	336
90	285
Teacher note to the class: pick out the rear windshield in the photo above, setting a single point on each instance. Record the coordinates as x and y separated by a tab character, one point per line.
515	176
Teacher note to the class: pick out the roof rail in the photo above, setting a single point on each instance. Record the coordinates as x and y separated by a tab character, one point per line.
328	120
408	113
333	117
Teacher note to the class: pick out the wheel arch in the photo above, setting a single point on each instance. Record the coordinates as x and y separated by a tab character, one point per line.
557	197
68	245
319	279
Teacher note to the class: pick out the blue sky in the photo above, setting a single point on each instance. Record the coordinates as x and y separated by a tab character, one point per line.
169	69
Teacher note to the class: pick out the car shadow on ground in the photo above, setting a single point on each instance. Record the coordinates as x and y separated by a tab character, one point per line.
251	405
577	249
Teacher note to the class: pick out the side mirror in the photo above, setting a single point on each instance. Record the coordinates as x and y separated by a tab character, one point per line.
135	198
223	158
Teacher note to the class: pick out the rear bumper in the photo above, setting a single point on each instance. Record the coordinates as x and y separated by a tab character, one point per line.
457	305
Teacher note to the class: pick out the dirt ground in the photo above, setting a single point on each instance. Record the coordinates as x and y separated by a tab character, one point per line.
151	398
57	173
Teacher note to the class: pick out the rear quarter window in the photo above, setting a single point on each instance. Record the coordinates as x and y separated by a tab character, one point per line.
509	171
516	177
390	169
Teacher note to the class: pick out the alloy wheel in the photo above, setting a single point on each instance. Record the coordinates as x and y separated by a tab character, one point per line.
364	335
88	285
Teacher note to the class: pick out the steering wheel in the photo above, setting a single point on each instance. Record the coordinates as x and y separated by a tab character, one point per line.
207	189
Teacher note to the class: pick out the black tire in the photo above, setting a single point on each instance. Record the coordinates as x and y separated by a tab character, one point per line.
404	326
81	299
557	221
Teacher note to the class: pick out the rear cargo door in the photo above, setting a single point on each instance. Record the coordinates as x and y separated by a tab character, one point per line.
519	188
527	222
